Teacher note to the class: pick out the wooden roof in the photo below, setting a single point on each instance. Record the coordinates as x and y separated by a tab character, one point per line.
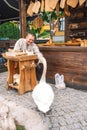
9	9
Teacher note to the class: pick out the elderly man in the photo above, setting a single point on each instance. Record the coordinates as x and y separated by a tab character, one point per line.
27	44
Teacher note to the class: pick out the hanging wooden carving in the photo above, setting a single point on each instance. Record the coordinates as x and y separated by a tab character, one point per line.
36	7
38	22
81	2
53	3
47	6
72	3
29	10
42	6
62	4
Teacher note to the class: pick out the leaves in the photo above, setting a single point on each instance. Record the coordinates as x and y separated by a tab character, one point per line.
20	127
9	30
48	16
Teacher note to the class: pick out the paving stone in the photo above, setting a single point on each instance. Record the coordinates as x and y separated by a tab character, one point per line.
69	109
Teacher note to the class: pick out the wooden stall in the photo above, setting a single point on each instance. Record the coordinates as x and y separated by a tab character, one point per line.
70	61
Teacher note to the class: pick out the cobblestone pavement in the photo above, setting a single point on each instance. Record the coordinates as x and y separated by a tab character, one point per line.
69	109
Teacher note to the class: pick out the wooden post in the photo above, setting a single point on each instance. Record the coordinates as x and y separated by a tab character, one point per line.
22	15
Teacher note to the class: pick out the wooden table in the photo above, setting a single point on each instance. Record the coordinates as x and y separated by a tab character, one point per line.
25	66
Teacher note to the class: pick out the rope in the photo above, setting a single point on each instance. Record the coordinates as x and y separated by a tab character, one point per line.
4	20
11	6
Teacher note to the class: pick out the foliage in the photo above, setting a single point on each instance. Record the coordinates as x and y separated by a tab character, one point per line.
48	16
38	34
9	30
20	127
44	34
61	14
34	31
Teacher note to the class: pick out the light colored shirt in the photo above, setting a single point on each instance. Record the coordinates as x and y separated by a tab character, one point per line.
22	45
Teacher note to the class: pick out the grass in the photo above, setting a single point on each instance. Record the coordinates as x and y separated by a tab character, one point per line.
18	127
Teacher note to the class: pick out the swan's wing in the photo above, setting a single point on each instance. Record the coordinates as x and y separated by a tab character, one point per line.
43	94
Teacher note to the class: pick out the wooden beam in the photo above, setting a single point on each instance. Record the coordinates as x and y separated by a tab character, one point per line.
22	15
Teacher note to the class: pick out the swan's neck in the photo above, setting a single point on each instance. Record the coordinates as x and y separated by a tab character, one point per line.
43	77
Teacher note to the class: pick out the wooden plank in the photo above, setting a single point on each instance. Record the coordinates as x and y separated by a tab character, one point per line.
20	58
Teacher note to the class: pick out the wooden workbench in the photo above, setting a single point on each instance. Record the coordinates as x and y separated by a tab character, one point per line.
25	66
